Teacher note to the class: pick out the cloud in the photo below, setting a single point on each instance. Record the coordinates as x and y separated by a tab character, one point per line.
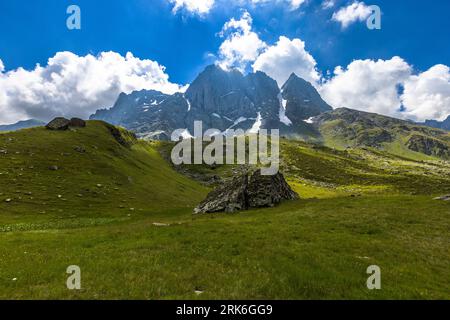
2	66
293	4
71	85
285	57
357	11
368	85
199	7
391	88
427	95
241	45
203	7
327	4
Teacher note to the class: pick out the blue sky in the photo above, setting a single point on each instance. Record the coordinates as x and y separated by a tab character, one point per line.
186	41
33	31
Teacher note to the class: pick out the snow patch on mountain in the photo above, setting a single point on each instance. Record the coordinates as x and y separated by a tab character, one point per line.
188	103
282	113
257	125
310	120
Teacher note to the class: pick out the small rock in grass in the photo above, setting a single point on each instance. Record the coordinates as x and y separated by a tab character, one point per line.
53	168
8	200
156	224
80	149
443	198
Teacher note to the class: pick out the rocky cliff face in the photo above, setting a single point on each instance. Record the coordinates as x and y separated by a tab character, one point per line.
429	146
222	100
352	128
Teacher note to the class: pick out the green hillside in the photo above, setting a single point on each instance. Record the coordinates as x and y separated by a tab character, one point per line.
347	128
124	215
96	176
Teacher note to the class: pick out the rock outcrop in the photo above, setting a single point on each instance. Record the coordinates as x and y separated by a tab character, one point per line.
59	123
247	191
429	146
77	123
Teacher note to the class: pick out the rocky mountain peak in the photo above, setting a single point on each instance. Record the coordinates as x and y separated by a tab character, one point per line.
303	100
221	99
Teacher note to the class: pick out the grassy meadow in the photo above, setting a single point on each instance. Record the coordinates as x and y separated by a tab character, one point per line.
124	215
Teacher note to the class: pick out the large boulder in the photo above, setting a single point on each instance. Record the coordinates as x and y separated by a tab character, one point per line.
59	123
77	123
247	191
268	191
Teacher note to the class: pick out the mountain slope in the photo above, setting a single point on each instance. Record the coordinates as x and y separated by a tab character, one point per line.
22	125
87	172
346	128
357	209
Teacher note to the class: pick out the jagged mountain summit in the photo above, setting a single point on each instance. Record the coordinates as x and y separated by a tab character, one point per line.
222	100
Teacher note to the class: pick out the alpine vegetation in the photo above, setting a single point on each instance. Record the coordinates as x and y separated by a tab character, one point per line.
229	147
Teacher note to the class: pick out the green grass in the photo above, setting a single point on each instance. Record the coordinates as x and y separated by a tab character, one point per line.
310	249
357	208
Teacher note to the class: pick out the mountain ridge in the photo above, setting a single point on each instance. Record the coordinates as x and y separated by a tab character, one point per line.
222	100
23	124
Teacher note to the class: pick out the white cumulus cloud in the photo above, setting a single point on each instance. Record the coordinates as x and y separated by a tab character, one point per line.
390	87
241	45
285	57
357	11
2	66
368	85
427	95
199	7
71	85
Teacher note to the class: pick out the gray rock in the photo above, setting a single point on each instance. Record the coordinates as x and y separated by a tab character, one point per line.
77	123
443	198
247	191
268	191
80	149
59	123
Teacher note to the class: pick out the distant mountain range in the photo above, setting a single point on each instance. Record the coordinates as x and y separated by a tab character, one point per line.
226	100
445	125
22	125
